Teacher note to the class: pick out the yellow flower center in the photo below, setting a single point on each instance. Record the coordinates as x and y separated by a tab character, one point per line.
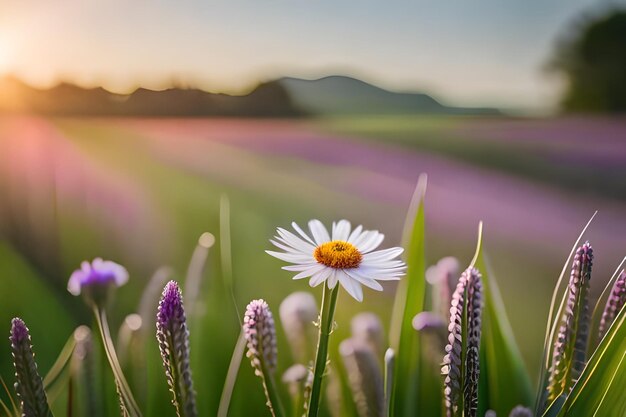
338	254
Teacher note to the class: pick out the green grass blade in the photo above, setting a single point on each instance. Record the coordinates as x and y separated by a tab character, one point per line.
553	320
61	362
231	376
600	389
410	383
504	381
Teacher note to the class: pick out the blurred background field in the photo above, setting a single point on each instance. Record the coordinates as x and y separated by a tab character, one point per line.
138	179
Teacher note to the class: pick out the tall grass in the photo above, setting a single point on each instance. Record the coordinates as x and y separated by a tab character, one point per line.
396	374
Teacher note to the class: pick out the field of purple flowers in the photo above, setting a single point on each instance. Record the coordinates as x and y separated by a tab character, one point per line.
143	191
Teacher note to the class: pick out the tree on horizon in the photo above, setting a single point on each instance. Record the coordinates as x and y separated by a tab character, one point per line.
592	58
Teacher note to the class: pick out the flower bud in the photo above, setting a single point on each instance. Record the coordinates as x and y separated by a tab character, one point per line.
28	385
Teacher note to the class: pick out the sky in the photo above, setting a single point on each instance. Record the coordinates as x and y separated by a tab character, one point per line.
472	53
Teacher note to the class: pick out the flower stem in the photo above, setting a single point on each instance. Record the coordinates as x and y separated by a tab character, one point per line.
329	302
274	402
122	386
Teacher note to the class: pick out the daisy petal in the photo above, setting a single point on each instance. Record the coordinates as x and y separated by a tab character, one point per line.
295	241
299	267
286	248
332	280
351	285
341	230
383	254
363	237
319	232
320	277
368	282
372	243
301	233
290	257
309	272
355	234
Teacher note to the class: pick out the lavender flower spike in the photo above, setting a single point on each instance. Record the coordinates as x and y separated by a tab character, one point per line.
96	279
466	303
568	354
173	338
615	302
29	385
260	333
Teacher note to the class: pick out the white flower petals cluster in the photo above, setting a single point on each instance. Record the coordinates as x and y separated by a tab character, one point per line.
346	256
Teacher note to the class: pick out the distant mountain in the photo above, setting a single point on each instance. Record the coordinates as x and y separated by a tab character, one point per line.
345	95
286	97
267	100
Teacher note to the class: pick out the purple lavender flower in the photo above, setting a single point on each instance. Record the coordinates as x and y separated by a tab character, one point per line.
466	303
29	385
260	334
94	280
472	365
173	338
569	351
615	302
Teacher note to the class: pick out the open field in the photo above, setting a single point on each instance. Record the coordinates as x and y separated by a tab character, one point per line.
141	191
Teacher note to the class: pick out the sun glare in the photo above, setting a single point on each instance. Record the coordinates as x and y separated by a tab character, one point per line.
4	56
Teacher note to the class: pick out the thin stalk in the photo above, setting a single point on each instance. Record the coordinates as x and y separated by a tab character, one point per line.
231	376
61	362
390	362
109	349
271	391
329	302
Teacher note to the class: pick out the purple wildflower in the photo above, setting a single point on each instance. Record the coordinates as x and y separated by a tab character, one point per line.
94	280
28	385
466	302
260	334
173	338
615	302
569	351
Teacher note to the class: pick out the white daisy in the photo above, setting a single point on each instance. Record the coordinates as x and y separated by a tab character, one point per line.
347	256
